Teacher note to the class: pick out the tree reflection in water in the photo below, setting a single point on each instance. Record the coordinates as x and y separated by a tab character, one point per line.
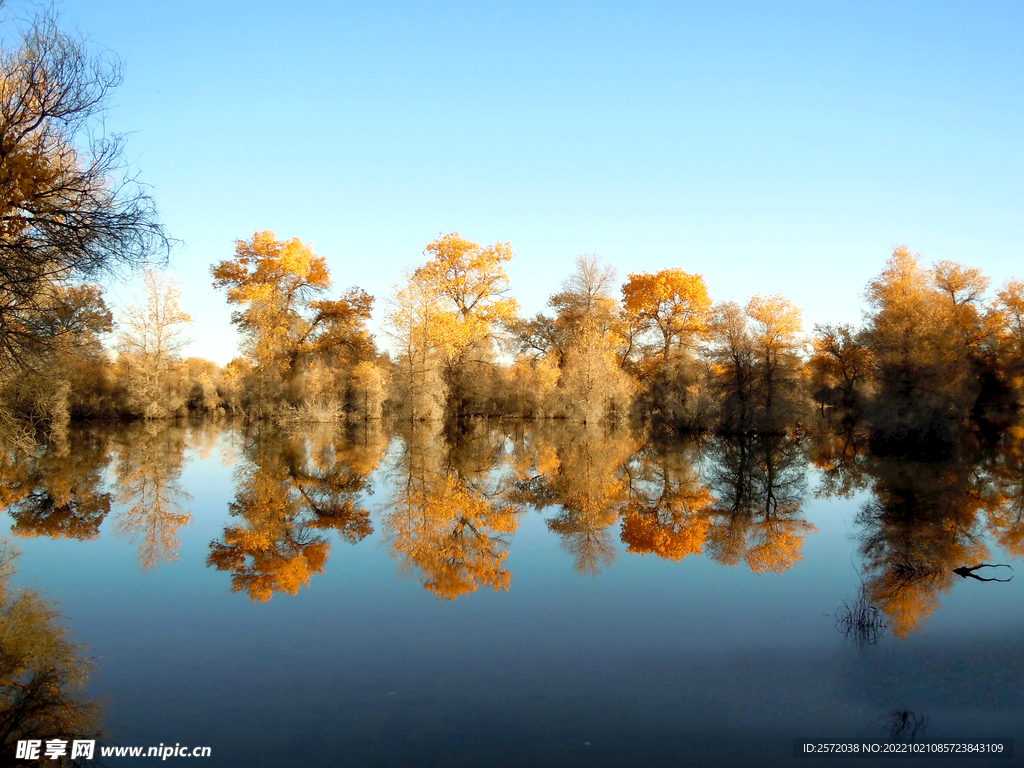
1004	492
42	673
447	518
760	481
668	512
922	523
57	491
148	468
926	520
289	487
581	469
458	495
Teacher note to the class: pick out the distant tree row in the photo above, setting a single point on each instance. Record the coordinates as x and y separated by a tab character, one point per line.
934	358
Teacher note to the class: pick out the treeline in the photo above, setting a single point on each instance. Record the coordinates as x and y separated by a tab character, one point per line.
934	357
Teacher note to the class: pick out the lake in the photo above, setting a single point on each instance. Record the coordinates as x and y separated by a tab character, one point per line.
525	594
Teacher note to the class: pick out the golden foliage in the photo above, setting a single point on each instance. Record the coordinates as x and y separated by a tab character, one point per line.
445	318
472	278
674	302
275	284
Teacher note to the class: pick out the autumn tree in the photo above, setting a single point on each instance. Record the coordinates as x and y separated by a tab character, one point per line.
840	365
924	335
587	300
585	339
68	374
734	356
447	316
777	328
585	305
202	380
423	332
593	385
151	340
671	302
300	347
70	211
528	387
756	353
368	390
1006	321
666	315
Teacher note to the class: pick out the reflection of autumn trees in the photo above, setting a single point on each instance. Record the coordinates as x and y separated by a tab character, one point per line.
41	671
446	519
921	524
1005	492
840	454
668	509
760	484
925	518
580	469
456	538
57	490
290	489
148	471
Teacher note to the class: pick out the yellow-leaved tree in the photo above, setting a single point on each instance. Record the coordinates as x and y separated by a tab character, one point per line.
445	319
665	316
301	347
671	302
69	211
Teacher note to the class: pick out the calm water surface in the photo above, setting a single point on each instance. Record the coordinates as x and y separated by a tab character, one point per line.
525	596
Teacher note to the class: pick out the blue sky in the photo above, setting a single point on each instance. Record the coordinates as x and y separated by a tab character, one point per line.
773	148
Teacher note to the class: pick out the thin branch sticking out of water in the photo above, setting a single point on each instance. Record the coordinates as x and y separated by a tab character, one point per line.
906	724
861	619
